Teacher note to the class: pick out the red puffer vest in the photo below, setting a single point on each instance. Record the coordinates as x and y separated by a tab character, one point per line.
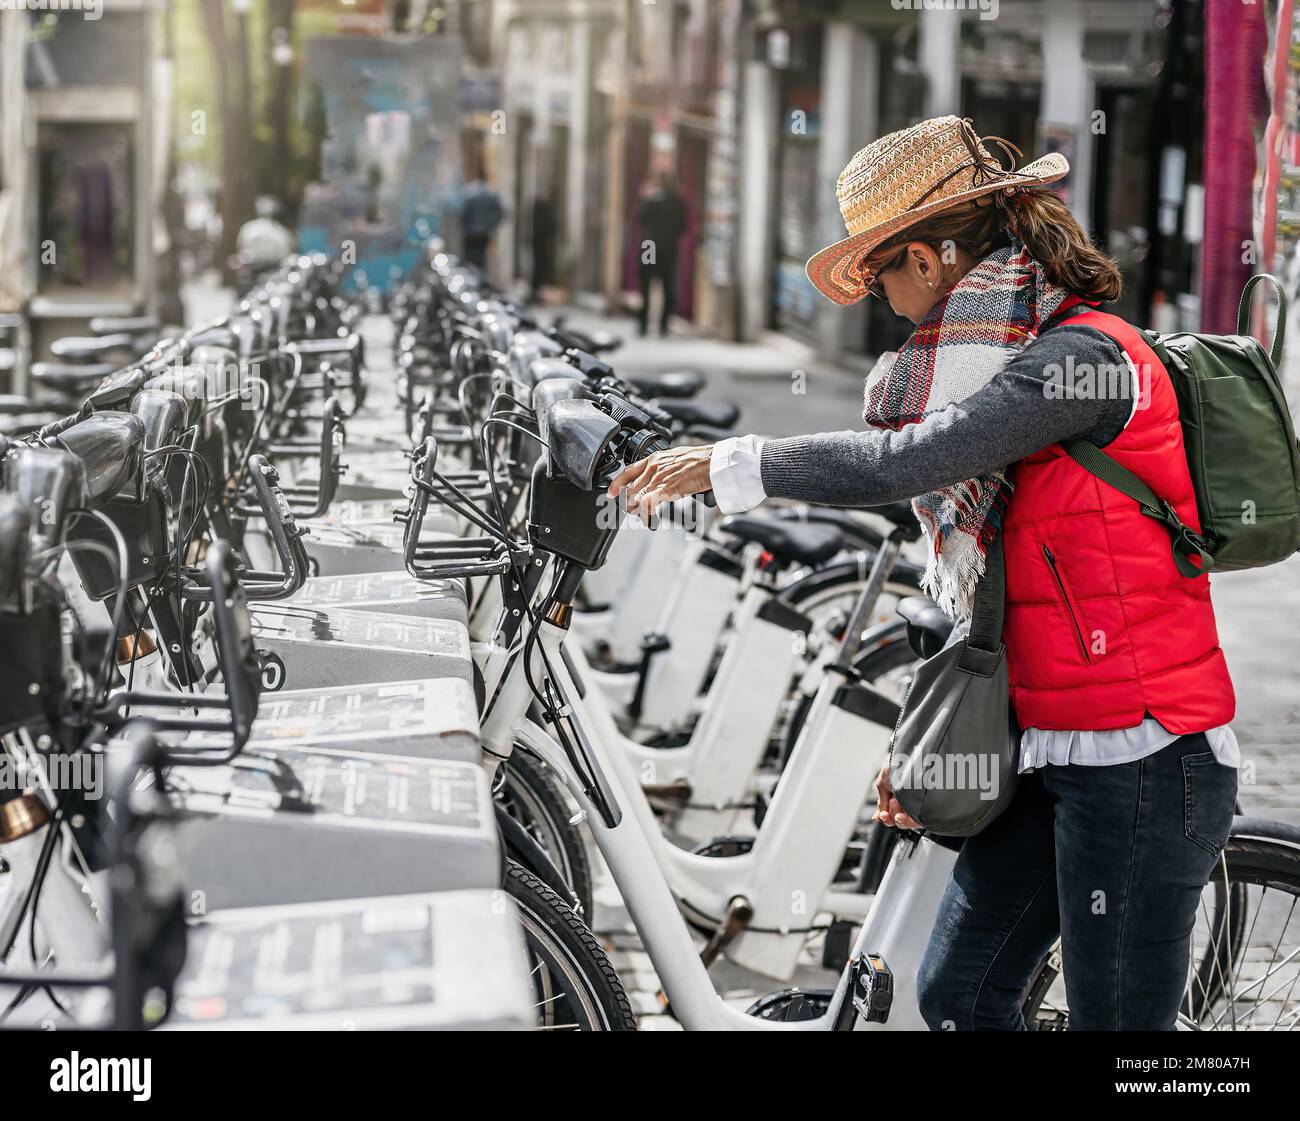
1101	629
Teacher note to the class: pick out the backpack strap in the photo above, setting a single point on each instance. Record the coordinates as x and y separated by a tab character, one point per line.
1186	542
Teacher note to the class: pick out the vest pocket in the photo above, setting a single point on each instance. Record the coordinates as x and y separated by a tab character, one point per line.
1067	601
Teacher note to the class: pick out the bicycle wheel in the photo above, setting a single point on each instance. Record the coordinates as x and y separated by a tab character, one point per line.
534	797
827	595
1244	961
577	987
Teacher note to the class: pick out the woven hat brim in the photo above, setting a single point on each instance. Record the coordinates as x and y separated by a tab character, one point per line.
829	269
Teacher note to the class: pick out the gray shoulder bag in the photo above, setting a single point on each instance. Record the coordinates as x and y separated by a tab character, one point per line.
953	759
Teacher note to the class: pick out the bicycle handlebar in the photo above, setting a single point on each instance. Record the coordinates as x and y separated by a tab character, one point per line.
286	538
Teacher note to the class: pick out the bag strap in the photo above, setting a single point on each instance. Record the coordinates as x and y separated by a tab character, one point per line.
990	600
1243	313
982	648
1185	540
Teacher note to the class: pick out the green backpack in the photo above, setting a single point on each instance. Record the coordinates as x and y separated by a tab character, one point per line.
1240	444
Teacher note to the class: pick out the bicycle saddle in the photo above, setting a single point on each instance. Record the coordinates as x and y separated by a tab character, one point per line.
69	377
124	325
668	383
83	348
823	515
13	405
712	414
928	628
594	342
787	541
23	424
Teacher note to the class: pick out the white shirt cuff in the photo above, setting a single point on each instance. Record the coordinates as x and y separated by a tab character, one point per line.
736	473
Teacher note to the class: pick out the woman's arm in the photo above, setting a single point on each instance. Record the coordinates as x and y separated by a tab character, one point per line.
1072	382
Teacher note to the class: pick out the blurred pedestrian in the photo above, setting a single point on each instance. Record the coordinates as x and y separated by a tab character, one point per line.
262	243
661	216
543	245
481	212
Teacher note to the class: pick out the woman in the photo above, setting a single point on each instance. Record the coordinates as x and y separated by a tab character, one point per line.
1128	766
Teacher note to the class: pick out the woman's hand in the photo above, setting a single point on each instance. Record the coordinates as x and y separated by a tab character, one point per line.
664	477
888	811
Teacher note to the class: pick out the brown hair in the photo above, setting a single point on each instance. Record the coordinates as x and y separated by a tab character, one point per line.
1038	219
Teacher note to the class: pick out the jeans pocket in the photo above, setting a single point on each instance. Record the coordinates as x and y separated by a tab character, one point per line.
1210	791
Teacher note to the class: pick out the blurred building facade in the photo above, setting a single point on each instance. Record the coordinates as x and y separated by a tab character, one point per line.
81	173
756	105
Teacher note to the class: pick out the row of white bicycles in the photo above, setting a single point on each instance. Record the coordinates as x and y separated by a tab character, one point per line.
336	692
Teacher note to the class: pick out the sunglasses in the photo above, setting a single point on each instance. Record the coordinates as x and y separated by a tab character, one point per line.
875	288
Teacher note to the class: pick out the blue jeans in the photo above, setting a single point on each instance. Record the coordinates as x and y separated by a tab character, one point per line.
1114	860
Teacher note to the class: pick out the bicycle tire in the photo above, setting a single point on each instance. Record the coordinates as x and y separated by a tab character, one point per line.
1270	861
571	973
851	572
537	799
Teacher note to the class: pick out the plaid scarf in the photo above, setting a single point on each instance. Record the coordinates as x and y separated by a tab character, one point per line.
962	344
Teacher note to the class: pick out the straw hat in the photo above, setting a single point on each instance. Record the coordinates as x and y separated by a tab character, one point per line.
906	176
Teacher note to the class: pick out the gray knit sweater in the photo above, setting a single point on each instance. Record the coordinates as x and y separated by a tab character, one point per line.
1062	385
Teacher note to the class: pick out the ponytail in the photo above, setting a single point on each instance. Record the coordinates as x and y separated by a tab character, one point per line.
1043	224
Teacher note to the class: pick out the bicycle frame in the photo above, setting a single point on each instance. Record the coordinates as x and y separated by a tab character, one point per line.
635	853
719	761
786	878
